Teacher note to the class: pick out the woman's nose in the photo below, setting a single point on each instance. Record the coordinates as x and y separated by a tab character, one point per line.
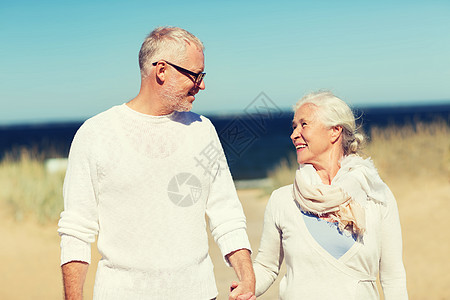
294	134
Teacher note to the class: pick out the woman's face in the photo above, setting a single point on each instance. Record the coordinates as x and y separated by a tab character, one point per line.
312	140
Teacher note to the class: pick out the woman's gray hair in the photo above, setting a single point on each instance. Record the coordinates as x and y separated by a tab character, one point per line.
332	111
165	43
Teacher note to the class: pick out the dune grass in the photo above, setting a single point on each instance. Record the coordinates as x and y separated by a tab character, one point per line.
408	152
411	151
418	151
28	189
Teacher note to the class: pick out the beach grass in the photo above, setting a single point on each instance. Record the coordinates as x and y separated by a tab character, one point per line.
417	151
28	189
409	152
413	151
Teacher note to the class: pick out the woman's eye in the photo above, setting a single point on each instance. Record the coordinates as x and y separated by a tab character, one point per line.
304	124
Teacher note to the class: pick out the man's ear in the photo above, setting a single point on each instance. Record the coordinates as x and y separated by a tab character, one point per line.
161	68
336	132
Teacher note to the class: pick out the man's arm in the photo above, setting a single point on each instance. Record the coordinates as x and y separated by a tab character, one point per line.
74	275
241	262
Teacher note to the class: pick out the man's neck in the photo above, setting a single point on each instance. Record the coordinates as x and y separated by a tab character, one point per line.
148	106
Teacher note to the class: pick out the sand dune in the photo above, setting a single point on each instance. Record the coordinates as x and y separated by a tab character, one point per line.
30	252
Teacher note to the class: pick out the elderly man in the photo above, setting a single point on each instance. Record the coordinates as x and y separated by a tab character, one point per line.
142	176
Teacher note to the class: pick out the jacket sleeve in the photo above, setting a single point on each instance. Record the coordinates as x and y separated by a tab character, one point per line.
78	224
270	255
227	221
392	271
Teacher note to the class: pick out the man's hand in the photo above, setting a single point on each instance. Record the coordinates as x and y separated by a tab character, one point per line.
241	262
235	286
74	275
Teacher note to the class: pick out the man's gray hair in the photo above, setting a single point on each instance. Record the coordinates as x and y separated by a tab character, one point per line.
333	111
165	43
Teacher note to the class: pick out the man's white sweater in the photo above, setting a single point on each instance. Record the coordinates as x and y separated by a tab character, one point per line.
143	184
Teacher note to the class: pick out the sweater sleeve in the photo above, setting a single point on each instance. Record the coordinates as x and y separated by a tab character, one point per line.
226	217
78	224
392	271
270	255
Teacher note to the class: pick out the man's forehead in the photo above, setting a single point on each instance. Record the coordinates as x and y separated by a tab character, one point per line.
193	45
193	49
195	56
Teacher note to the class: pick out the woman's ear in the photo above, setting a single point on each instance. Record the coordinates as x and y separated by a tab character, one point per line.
336	132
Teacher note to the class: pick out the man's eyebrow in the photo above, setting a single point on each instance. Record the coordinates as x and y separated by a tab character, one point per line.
199	70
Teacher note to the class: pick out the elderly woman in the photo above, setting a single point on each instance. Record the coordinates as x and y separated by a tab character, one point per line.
337	226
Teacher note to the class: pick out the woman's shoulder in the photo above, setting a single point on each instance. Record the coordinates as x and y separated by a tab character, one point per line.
282	194
283	190
281	204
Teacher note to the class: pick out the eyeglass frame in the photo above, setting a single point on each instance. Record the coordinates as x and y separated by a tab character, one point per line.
198	77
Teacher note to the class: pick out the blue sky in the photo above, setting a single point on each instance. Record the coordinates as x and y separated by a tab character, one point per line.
62	60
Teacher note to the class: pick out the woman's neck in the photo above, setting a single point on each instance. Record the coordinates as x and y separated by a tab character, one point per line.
327	174
328	169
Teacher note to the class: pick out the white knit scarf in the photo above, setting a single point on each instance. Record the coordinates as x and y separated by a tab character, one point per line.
344	200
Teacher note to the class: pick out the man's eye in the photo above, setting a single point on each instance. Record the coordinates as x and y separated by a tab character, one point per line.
304	124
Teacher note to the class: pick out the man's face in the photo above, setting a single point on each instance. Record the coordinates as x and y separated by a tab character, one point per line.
179	89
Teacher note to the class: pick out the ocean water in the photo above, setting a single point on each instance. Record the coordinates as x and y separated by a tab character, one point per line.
254	143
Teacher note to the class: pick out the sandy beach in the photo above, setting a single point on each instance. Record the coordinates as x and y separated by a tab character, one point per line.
30	251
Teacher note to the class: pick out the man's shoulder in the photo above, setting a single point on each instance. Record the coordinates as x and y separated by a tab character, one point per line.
97	122
102	116
189	117
105	114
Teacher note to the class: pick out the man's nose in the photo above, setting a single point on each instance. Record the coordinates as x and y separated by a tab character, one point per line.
202	85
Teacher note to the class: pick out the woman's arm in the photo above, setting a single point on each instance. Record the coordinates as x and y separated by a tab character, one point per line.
392	271
270	255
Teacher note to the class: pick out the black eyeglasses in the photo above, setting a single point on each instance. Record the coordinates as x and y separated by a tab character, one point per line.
198	77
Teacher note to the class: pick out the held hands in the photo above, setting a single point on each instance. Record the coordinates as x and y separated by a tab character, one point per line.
242	264
242	291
